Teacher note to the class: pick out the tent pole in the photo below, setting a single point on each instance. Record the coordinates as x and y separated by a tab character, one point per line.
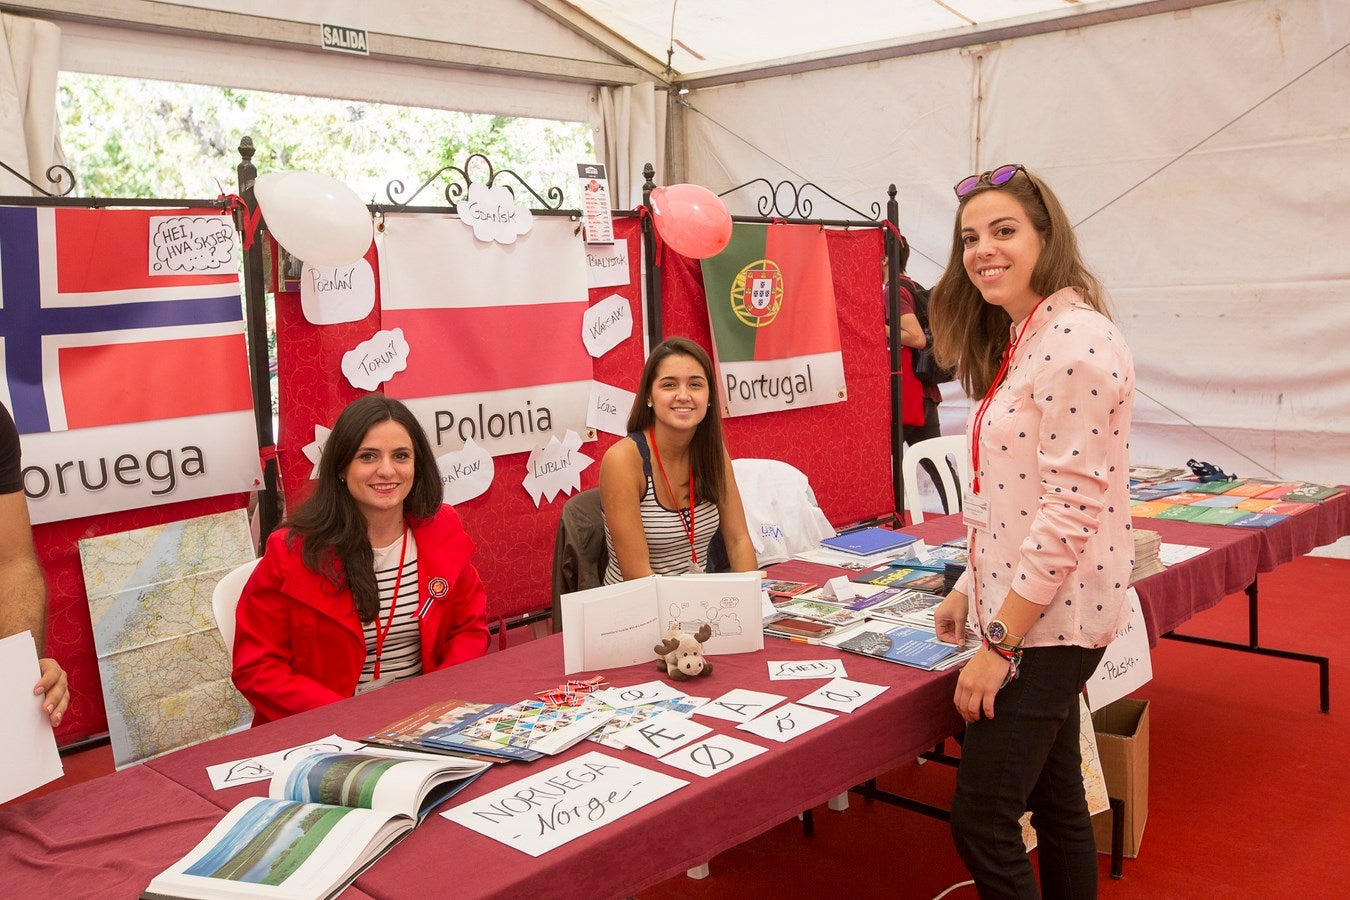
893	304
653	278
255	306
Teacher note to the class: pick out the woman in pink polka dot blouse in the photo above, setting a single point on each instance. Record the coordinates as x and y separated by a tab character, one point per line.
1025	325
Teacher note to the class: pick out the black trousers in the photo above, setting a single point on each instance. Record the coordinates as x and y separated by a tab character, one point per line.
1027	757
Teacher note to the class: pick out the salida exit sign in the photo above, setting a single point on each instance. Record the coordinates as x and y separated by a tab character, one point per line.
344	39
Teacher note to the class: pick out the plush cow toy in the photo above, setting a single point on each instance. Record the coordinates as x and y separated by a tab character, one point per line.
681	654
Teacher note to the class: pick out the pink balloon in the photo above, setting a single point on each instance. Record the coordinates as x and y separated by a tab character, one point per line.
691	219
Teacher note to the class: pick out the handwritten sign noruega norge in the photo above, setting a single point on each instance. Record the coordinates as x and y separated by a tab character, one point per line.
544	811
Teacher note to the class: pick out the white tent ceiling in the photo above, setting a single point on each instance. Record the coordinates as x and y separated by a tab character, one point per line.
711	38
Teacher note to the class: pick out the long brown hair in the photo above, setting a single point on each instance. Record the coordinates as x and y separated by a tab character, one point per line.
706	453
970	335
333	533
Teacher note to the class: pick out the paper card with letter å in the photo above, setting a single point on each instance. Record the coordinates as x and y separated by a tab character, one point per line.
546	810
621	624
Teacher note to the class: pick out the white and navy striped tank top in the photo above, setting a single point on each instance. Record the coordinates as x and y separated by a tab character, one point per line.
667	541
402	652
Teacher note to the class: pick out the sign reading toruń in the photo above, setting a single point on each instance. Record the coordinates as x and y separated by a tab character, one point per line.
345	40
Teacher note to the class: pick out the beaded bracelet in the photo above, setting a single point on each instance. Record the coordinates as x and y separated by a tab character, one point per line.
1014	658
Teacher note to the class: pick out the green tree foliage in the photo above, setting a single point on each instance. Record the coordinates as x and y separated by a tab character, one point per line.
127	137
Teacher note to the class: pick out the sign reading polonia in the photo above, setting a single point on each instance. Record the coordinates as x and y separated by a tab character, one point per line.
775	331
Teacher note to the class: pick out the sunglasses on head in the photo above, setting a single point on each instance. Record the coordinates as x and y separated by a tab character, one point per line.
994	178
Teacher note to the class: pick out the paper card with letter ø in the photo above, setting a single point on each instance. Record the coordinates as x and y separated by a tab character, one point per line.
757	293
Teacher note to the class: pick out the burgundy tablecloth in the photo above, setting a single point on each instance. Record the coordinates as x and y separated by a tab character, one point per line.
102	838
679	831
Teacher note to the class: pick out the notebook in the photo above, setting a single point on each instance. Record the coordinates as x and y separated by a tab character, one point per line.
867	541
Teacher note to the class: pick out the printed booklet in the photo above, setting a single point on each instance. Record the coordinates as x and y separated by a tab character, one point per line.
326	818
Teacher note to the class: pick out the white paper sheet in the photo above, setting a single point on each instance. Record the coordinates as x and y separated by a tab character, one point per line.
842	695
261	768
184	245
31	760
1171	554
530	816
740	705
662	733
466	473
608	408
333	295
374	361
636	694
555	468
606	325
787	722
794	669
1127	664
607	265
713	755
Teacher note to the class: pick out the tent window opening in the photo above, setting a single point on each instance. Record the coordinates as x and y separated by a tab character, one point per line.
139	138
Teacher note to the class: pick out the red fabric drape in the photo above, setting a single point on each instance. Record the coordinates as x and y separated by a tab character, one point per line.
514	540
70	635
844	448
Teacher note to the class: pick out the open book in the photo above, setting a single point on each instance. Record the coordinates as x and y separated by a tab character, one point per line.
326	817
620	624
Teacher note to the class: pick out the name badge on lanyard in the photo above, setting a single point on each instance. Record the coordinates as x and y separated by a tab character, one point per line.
975	511
373	685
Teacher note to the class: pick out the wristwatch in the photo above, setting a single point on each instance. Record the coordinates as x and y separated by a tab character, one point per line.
997	634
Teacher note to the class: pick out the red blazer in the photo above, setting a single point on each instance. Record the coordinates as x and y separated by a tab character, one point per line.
299	643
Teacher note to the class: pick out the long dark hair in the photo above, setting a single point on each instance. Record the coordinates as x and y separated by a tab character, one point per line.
333	533
706	453
969	334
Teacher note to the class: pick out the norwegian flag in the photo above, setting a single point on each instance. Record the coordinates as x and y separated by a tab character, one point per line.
97	354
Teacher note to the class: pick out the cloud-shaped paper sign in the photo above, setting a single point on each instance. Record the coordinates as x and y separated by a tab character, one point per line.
329	295
606	325
191	244
373	362
555	467
466	473
314	449
493	215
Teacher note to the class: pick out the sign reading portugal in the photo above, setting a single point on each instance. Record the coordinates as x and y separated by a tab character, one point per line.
776	343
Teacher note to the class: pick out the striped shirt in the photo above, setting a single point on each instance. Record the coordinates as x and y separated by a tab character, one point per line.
667	540
402	652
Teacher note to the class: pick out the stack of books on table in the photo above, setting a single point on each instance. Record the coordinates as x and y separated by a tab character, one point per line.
1146	562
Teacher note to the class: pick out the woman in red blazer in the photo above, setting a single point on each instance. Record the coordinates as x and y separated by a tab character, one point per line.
371	580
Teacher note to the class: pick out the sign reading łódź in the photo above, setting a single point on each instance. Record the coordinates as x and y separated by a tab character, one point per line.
775	331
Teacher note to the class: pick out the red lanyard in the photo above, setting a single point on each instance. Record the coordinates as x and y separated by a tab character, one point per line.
688	526
393	605
989	396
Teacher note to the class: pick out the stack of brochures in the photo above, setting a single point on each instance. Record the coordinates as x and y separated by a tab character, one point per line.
523	731
1146	546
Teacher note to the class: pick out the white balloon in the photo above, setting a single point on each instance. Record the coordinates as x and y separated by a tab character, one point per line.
316	218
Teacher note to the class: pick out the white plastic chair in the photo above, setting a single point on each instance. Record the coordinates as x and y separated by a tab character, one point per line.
224	600
947	453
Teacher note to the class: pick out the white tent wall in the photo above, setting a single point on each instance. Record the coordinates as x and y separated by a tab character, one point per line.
1228	270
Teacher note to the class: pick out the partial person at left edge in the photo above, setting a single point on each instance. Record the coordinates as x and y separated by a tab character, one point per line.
23	593
369	581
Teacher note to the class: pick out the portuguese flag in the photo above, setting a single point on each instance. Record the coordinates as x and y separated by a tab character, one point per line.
775	330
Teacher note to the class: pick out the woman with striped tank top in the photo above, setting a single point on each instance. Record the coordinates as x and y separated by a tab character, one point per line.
669	487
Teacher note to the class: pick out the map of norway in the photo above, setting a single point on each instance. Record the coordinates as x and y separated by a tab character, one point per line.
129	389
775	330
164	669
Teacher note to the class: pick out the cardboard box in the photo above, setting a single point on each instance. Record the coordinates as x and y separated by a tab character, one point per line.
1122	744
